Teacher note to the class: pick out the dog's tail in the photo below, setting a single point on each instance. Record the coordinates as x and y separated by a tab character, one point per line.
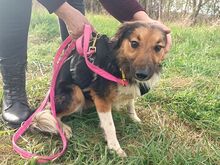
45	122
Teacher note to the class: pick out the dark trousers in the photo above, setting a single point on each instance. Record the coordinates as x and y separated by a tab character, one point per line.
14	24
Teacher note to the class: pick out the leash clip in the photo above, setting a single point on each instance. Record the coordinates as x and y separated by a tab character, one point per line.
92	48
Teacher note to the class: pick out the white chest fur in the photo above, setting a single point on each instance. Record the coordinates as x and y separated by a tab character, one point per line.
126	94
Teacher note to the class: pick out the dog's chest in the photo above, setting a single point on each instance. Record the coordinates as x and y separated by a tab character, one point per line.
126	93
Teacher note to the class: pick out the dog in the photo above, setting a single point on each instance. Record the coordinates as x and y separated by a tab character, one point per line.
135	53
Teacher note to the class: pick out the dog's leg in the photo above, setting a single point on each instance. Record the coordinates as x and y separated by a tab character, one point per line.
132	112
105	115
77	102
45	122
109	129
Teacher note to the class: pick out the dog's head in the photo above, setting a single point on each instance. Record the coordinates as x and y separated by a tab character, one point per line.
140	50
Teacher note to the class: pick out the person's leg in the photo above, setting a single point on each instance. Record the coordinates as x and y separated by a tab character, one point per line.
14	19
79	5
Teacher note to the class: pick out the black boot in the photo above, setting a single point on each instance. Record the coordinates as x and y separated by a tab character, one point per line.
15	107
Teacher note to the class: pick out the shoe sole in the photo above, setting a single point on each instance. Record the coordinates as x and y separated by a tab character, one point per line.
9	125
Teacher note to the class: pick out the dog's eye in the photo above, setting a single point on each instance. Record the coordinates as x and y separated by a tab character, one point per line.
157	48
134	44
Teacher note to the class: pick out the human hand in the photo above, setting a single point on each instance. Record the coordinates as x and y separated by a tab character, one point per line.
142	16
73	19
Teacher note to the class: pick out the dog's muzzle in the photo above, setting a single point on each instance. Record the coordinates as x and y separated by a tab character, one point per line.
143	74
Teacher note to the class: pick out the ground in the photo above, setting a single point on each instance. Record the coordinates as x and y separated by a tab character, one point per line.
181	116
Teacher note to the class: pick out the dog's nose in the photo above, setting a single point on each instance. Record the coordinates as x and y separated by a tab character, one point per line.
142	74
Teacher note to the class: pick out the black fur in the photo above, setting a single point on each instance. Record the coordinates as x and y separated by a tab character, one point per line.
63	90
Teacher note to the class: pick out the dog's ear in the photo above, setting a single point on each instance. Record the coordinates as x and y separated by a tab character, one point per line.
155	26
123	32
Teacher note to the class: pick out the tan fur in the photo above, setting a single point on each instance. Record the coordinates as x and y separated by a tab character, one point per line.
77	103
103	104
45	122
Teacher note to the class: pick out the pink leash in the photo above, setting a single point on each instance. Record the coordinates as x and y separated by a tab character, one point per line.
82	45
58	61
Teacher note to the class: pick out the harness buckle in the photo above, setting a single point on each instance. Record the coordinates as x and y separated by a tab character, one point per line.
92	48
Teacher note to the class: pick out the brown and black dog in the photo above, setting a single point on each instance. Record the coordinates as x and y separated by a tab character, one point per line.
136	51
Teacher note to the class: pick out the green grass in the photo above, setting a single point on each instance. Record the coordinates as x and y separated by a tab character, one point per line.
181	116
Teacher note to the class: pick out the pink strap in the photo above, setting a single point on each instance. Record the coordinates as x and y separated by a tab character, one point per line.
83	48
58	62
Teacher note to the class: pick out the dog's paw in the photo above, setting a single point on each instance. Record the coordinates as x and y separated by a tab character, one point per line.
135	118
67	131
121	153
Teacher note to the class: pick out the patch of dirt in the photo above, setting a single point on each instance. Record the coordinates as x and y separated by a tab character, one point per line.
179	82
5	145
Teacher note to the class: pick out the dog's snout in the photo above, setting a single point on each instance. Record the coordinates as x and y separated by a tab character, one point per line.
142	74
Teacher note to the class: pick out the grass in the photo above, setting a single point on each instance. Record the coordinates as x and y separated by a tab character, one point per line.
181	116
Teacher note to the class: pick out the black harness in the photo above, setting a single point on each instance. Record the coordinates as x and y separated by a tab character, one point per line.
75	70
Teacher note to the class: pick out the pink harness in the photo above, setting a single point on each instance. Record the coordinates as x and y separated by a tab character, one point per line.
62	54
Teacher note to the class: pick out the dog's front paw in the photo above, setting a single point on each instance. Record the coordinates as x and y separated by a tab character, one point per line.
135	118
119	151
